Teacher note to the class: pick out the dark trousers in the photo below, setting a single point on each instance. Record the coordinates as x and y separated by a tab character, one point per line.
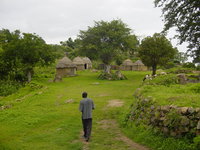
87	127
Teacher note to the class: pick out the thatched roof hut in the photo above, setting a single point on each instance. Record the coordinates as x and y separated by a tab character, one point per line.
87	63
78	61
127	65
139	66
65	67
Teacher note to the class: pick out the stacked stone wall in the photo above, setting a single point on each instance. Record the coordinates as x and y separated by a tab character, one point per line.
171	120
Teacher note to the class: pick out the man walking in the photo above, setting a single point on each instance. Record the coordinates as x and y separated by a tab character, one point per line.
86	106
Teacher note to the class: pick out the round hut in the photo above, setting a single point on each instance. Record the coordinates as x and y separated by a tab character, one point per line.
87	63
127	65
79	63
139	66
65	67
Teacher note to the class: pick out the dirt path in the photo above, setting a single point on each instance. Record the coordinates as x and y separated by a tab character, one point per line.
112	127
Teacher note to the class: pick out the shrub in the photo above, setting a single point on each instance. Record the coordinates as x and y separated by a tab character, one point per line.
165	80
9	87
179	70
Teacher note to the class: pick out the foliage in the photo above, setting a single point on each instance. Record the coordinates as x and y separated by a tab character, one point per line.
21	52
181	57
111	76
165	80
107	40
9	87
72	47
184	15
156	50
178	70
189	65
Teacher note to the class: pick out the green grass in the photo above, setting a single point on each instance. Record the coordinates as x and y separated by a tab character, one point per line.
179	95
40	118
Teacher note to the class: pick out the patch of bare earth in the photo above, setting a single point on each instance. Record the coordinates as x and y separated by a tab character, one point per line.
115	103
85	144
112	124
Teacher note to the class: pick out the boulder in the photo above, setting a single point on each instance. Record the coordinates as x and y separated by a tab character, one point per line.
184	110
184	121
182	78
191	110
198	125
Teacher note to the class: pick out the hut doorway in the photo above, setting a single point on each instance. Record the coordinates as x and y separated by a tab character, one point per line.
85	66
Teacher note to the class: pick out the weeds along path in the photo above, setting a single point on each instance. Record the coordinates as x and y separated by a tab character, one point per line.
51	120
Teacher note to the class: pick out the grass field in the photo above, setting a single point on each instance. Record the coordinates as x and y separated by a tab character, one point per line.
179	95
45	116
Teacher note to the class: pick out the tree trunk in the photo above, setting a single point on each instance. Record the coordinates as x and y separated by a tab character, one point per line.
29	76
154	70
107	69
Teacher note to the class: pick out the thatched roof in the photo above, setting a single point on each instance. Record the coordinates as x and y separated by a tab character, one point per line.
64	63
86	60
138	63
127	62
78	61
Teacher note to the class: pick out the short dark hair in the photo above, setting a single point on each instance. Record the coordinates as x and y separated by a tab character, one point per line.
84	94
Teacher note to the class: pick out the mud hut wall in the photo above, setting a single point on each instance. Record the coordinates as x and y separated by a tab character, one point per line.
80	67
61	72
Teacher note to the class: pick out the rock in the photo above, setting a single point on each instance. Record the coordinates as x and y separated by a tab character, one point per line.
166	122
182	78
184	110
165	109
184	121
165	130
69	101
162	118
172	133
191	110
197	113
152	107
198	125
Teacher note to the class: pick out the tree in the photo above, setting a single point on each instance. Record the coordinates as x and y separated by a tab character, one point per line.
22	52
185	16
156	50
106	40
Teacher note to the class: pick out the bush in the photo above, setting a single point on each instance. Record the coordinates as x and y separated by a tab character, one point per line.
9	87
179	70
165	80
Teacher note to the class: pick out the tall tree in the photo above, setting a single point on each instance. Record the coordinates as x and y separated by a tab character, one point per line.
106	40
185	16
156	50
22	52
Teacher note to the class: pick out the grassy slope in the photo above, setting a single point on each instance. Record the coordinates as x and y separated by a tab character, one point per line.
179	95
42	120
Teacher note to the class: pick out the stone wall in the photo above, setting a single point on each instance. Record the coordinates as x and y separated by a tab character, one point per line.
171	120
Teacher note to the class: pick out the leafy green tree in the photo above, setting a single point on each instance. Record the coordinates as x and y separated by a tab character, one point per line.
106	40
22	52
185	16
71	46
156	50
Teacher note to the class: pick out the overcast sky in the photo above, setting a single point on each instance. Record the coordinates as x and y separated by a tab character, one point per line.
57	20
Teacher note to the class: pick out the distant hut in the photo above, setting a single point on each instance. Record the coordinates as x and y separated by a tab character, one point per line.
87	63
139	66
79	63
65	67
127	65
